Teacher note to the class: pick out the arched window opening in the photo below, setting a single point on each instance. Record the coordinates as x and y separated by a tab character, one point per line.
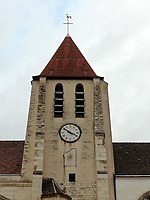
58	100
145	196
79	101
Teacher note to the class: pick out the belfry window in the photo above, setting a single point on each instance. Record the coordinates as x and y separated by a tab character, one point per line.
79	101
58	100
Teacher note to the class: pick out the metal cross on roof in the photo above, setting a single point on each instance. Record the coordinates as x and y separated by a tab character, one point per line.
68	23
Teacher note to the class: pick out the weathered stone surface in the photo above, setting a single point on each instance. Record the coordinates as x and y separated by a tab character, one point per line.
103	192
70	158
81	191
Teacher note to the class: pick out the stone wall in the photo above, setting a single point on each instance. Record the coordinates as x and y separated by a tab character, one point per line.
81	191
105	184
12	188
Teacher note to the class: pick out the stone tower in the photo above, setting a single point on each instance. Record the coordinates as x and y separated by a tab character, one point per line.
68	148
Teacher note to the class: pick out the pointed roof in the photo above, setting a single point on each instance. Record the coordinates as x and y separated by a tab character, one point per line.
68	62
51	189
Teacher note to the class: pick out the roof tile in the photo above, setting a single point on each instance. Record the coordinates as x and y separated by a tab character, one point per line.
132	158
11	153
68	61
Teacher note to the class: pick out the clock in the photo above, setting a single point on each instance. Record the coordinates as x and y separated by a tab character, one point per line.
70	132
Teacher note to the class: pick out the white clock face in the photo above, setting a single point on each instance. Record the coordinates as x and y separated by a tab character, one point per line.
70	132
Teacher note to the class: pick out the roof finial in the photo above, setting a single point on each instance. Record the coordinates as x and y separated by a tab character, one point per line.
68	17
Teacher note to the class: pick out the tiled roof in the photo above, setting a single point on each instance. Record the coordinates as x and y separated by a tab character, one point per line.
132	158
68	61
11	153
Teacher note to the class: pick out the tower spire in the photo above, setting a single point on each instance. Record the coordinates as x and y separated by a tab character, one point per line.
68	61
68	23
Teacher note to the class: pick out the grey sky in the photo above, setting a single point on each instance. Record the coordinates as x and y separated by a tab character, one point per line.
113	35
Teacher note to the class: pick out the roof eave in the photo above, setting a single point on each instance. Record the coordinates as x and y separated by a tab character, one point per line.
36	78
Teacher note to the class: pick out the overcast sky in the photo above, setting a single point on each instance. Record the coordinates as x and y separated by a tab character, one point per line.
113	35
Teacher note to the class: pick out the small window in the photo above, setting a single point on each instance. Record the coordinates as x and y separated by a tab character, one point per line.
72	177
58	100
79	101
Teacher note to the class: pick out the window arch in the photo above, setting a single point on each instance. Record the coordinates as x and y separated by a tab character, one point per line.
58	100
79	101
145	196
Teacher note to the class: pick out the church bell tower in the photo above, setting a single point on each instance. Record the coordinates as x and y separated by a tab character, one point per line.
68	148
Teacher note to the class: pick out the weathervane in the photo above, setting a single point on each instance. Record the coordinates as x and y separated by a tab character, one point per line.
68	17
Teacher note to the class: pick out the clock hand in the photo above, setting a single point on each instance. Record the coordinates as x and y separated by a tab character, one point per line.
69	132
